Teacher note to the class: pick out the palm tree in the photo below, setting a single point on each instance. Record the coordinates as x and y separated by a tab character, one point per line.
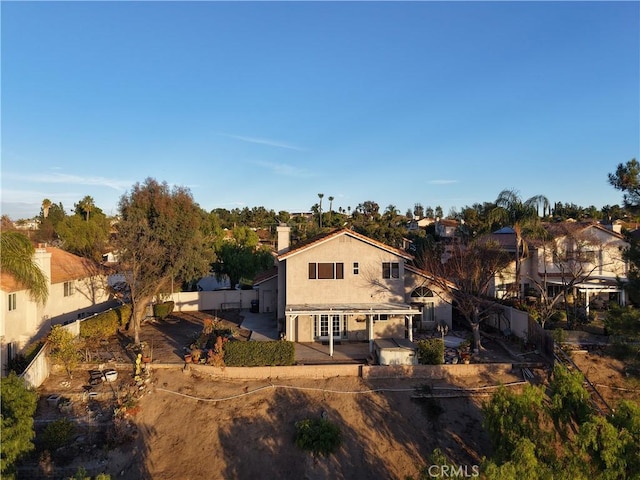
86	205
320	195
330	206
46	205
16	258
522	216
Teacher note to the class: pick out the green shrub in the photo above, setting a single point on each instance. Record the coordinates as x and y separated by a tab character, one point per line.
81	474
559	336
318	436
124	314
431	351
106	323
163	310
259	354
58	433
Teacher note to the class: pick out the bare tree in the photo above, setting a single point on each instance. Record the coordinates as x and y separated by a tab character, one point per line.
464	277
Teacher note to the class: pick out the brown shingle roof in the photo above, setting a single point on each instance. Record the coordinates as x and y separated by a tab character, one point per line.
336	233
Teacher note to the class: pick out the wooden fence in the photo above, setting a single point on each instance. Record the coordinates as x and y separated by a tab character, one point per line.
541	338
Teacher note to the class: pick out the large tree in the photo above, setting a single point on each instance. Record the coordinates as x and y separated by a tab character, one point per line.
50	216
627	179
84	235
465	274
241	256
16	258
524	217
159	240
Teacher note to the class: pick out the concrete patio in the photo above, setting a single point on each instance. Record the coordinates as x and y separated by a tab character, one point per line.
345	352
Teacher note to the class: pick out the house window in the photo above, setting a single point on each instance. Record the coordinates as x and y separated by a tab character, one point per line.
326	271
12	302
356	268
421	292
69	288
390	270
381	317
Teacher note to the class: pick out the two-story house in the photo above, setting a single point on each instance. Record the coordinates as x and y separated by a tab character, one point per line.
586	257
77	288
345	286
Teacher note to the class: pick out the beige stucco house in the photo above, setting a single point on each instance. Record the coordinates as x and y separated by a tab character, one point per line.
77	288
343	286
586	255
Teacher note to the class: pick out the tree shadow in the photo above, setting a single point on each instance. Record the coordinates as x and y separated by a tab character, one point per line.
440	419
273	443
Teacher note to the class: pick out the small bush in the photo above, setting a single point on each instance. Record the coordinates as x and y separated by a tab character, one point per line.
58	434
259	354
163	310
62	348
318	436
559	336
431	351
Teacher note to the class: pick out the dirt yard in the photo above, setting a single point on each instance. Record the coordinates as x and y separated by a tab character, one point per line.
187	425
193	427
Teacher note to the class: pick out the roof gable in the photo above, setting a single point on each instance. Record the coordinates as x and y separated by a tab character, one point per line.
328	237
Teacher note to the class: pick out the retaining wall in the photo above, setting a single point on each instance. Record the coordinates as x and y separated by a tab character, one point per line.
436	372
295	371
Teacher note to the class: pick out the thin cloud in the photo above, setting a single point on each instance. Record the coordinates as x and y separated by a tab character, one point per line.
442	182
61	178
284	169
264	141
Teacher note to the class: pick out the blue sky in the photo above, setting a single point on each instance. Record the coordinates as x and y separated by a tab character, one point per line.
249	104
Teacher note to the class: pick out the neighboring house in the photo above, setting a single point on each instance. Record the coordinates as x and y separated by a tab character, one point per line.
267	285
585	255
345	286
77	288
447	229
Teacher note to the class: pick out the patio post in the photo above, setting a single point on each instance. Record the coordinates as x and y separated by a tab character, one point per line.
370	332
331	337
586	302
409	322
